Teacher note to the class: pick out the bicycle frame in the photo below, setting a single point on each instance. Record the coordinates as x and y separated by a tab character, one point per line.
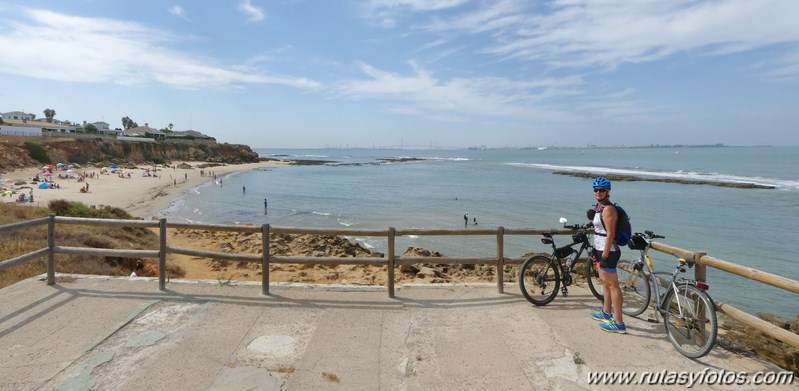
673	280
542	276
688	311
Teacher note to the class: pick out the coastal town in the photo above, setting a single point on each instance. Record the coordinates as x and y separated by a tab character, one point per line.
19	123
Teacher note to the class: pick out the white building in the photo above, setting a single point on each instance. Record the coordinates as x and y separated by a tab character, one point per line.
18	115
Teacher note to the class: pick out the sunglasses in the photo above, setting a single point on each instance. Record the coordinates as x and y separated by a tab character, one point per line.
600	190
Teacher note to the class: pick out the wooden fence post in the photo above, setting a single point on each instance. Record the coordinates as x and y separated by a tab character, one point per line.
700	270
265	259
51	246
162	254
391	234
501	259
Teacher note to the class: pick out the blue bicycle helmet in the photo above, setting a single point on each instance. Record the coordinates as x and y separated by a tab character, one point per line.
601	182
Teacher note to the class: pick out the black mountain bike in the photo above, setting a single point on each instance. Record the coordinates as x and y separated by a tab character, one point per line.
540	277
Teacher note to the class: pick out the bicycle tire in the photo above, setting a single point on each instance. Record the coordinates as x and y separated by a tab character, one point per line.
635	289
694	333
536	276
594	282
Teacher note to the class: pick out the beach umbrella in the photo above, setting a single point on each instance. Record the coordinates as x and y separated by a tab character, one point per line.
43	185
60	164
113	166
47	173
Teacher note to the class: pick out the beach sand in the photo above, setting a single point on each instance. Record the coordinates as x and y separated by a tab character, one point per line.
138	195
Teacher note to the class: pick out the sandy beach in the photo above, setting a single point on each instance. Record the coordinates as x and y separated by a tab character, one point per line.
141	196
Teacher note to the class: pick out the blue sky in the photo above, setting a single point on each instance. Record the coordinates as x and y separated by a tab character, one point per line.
446	73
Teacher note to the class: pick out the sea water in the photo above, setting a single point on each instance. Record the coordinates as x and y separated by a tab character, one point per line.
519	189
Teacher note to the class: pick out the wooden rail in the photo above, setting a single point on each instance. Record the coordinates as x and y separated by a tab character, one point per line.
390	259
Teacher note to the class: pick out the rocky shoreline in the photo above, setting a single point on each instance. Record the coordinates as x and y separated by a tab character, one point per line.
632	178
323	246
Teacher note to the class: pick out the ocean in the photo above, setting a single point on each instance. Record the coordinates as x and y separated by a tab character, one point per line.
519	188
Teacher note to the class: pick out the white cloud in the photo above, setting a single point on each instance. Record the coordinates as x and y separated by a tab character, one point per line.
61	47
608	33
418	5
254	13
179	12
420	93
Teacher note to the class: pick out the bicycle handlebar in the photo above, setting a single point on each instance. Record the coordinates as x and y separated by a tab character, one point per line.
650	235
577	227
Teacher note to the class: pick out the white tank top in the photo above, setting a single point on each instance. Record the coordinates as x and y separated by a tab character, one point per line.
599	240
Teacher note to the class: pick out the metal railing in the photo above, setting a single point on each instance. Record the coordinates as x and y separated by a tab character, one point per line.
389	259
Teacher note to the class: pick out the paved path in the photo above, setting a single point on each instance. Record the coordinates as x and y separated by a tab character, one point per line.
123	334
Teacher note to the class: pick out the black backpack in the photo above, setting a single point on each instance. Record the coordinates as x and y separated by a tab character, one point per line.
623	228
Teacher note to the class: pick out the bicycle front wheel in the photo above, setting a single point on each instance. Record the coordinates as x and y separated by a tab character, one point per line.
690	318
634	288
539	280
593	279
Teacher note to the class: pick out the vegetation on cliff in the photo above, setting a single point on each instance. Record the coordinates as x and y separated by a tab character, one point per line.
19	152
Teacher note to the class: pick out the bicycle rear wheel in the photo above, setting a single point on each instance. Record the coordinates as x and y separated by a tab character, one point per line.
690	319
592	277
634	286
539	280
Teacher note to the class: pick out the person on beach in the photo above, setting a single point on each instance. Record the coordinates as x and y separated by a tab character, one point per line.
606	253
265	204
243	189
466	219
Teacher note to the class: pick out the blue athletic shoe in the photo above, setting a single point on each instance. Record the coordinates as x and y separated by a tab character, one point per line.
601	316
613	327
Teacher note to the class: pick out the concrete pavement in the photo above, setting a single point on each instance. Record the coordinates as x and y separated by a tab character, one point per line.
106	333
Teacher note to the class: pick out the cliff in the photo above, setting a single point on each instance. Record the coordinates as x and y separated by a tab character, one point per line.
19	152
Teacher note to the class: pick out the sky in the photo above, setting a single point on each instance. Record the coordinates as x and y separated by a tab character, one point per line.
413	73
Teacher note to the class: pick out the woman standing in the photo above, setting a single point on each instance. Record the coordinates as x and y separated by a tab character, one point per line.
607	254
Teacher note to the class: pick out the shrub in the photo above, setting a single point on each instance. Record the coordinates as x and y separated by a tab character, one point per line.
37	152
78	209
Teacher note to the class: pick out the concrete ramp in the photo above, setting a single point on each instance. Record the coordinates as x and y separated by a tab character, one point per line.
101	333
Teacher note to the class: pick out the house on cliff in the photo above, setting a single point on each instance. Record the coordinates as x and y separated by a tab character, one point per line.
105	128
144	131
19	115
33	127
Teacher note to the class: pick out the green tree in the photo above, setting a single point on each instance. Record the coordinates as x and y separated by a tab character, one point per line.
90	128
170	126
49	114
128	123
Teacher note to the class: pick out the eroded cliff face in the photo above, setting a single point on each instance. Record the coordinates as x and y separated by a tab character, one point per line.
14	153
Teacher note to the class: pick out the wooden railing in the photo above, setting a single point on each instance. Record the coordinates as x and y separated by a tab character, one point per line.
390	259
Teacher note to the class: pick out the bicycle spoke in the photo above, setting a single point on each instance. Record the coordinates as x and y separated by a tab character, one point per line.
634	288
691	321
539	280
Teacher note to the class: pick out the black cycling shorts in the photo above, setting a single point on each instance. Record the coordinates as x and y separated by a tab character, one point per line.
609	265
